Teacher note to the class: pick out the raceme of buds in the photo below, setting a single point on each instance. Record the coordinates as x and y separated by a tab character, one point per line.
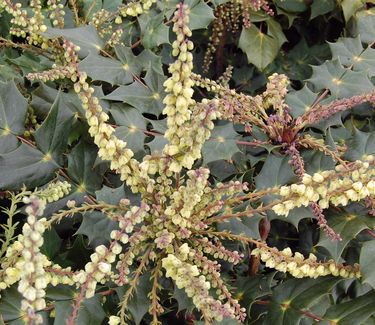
299	266
134	9
275	92
25	26
187	277
179	85
330	187
33	281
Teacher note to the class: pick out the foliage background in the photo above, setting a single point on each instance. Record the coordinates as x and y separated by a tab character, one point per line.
320	44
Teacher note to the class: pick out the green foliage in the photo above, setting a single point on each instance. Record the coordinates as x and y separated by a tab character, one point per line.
325	47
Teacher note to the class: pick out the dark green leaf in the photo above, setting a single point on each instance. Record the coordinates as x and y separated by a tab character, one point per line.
13	107
355	311
132	126
201	15
361	144
351	53
261	49
275	171
221	145
106	69
153	30
348	225
25	165
86	37
300	101
52	243
341	82
51	137
294	295
146	98
97	226
321	7
81	167
367	263
292	5
91	312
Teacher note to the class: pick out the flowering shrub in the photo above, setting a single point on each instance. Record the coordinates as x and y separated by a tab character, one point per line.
154	174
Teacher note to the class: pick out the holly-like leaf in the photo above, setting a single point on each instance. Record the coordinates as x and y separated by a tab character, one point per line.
294	295
86	37
355	311
342	83
153	30
351	53
201	14
51	243
321	7
221	145
261	49
367	263
300	101
136	64
25	166
96	225
348	225
146	98
131	126
275	171
140	302
349	7
361	144
91	312
366	25
10	305
30	63
81	162
106	69
52	136
13	107
292	5
248	226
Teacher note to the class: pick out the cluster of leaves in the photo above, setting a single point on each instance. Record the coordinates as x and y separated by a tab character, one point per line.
44	137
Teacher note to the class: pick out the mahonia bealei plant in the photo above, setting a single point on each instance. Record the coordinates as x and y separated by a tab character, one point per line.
176	230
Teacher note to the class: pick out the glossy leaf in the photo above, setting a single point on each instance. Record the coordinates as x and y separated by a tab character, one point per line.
52	136
96	225
341	82
367	263
131	127
106	69
13	108
221	145
81	167
356	311
25	166
261	49
348	225
295	295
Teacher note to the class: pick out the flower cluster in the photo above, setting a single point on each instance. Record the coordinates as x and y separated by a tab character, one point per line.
187	277
299	266
330	187
53	192
134	9
179	85
172	231
32	282
275	93
23	25
56	12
